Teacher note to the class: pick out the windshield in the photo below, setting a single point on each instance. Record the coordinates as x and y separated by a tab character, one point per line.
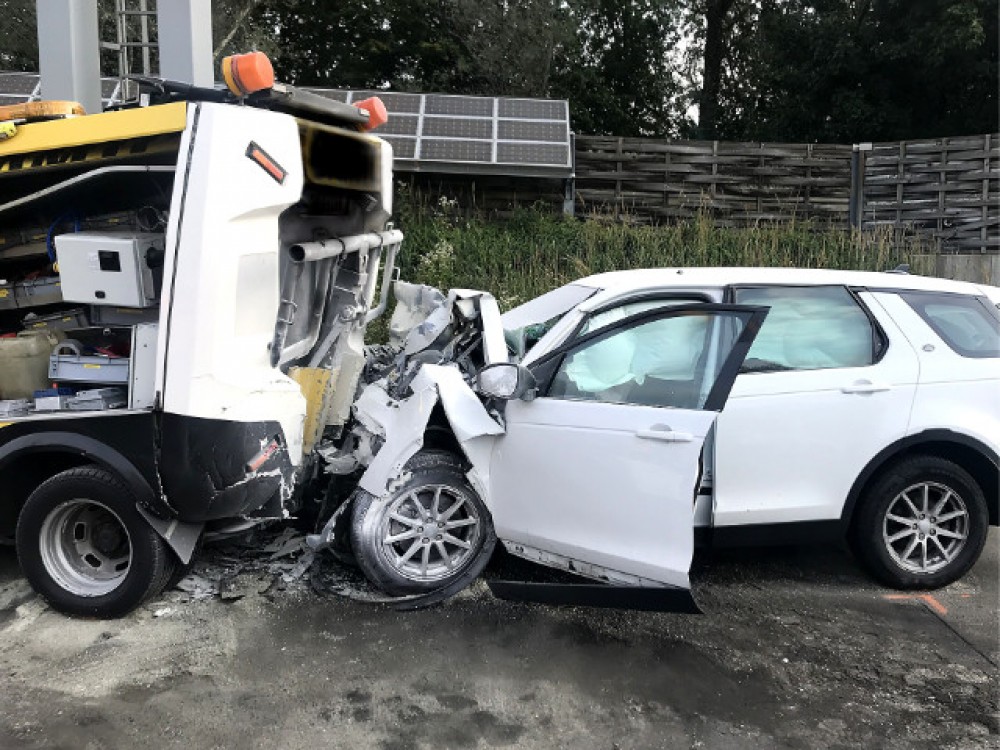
526	324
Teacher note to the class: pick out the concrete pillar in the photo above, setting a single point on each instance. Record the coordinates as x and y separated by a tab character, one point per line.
184	29
68	57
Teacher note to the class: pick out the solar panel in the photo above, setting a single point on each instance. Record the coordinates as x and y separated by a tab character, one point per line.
441	133
18	88
474	134
463	128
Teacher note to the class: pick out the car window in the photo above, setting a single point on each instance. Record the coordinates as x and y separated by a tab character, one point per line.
968	325
526	324
662	362
605	317
809	328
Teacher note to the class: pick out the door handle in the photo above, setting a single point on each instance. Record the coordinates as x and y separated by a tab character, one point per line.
664	433
864	386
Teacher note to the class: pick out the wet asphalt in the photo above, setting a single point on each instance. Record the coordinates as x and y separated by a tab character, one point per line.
796	649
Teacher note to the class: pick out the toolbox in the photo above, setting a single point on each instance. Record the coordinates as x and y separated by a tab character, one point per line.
88	368
99	399
17	407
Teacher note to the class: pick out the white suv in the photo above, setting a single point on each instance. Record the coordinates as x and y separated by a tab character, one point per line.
863	404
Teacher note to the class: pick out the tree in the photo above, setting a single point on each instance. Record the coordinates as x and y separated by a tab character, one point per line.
855	70
620	75
18	38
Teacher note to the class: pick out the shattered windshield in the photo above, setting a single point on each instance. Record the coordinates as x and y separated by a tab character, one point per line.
526	324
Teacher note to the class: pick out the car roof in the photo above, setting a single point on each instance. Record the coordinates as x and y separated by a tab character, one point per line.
625	281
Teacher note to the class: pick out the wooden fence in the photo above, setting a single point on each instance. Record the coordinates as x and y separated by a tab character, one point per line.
945	188
651	180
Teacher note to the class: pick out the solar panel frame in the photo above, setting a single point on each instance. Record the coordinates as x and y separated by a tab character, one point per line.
442	133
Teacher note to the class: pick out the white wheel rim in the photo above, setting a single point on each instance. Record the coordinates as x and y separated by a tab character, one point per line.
85	547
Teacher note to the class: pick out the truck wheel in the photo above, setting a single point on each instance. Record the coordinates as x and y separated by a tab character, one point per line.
85	549
922	524
430	532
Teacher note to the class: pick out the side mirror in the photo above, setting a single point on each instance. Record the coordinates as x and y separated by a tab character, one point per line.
507	381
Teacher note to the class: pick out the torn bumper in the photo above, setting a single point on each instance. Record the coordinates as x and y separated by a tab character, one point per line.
212	469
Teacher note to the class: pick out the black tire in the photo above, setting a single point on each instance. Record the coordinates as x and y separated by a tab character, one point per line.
79	519
883	509
371	526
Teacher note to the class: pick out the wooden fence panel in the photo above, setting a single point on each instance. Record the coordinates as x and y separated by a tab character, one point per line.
649	180
947	187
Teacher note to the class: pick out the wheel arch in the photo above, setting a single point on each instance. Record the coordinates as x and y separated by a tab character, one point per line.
977	458
87	450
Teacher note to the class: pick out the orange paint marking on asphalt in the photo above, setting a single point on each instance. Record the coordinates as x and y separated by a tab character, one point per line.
927	599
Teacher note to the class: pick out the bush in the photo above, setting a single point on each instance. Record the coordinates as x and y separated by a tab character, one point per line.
532	251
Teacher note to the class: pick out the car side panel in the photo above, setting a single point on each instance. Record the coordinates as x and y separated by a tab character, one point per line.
957	393
789	445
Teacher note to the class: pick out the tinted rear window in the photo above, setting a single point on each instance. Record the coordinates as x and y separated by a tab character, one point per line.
969	325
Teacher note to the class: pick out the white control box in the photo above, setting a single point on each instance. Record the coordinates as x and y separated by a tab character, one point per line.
111	268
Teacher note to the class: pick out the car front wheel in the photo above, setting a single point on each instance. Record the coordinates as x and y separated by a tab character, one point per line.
922	524
431	532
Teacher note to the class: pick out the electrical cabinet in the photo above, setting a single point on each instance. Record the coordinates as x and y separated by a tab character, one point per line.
111	268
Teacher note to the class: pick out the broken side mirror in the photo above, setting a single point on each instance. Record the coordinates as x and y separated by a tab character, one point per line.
507	381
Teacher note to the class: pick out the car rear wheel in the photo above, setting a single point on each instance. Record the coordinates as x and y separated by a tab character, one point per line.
86	550
922	524
431	532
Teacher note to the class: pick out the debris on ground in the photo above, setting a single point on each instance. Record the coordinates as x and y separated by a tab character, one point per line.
269	562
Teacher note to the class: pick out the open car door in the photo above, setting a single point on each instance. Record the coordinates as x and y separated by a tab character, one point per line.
598	474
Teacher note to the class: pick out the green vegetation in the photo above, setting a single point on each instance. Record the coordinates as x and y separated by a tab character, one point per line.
520	257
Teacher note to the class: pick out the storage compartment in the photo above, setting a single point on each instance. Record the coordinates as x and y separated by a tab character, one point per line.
38	292
111	268
102	315
7	299
108	356
62	321
24	363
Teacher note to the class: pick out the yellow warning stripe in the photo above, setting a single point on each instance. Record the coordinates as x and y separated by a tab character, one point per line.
124	124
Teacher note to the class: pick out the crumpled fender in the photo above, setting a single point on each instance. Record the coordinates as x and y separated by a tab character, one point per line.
403	424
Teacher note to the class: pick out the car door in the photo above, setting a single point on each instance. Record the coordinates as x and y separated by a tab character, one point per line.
827	385
598	473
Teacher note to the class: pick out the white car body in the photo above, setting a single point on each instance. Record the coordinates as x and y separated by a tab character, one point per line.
614	490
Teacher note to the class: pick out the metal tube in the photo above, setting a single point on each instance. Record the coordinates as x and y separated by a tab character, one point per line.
286	312
312	251
390	266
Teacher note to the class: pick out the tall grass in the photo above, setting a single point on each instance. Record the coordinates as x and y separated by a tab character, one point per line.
520	257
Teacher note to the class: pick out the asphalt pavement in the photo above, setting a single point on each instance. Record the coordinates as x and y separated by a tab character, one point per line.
796	649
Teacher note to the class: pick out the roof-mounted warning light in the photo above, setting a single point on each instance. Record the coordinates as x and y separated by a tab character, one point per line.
247	73
377	114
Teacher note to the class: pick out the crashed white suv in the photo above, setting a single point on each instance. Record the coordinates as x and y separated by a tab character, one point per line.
600	426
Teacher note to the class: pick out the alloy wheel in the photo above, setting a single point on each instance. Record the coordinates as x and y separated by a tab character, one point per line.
430	532
925	527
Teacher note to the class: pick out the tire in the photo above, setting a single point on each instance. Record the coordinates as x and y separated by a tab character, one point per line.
430	556
85	549
921	503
